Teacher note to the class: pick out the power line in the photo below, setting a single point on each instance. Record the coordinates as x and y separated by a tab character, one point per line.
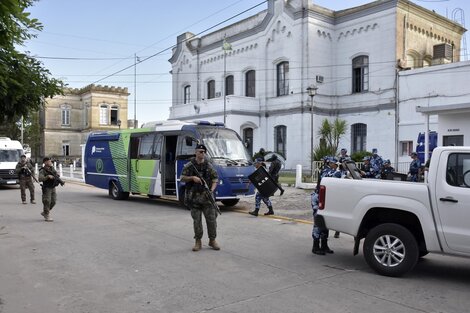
173	46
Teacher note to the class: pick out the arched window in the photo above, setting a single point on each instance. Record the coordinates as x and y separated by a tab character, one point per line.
229	85
211	89
104	114
187	94
280	139
358	137
360	74
250	83
114	114
283	79
65	114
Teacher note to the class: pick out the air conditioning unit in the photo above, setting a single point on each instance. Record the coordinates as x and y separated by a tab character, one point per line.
218	94
442	51
319	79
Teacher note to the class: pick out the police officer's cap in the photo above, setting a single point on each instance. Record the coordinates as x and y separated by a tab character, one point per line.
201	147
258	160
413	153
387	162
45	159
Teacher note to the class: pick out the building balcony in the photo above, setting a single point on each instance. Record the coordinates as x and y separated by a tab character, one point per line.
215	106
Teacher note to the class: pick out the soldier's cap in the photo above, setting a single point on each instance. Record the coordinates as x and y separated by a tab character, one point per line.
413	153
201	147
45	159
23	155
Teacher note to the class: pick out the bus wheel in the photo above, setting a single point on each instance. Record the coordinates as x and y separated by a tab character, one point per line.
230	202
116	193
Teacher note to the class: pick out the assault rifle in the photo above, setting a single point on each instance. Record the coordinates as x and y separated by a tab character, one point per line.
30	173
207	190
57	179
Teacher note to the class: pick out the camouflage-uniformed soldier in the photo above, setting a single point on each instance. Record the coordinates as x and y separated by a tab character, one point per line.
48	176
25	170
196	199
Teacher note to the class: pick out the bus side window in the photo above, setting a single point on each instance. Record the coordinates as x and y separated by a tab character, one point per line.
185	147
146	146
157	150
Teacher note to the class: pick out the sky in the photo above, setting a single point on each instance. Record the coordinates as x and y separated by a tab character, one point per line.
85	42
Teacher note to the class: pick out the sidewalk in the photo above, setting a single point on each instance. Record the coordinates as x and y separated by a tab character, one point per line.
293	204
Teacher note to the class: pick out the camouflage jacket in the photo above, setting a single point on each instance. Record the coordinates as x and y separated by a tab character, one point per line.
22	169
47	182
195	193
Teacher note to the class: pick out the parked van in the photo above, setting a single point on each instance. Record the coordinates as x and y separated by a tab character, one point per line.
10	154
150	160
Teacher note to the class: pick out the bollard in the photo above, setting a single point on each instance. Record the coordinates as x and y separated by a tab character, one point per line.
36	169
61	172
71	171
55	165
74	164
298	176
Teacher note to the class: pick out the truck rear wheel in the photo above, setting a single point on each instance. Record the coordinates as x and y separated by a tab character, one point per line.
116	193
391	250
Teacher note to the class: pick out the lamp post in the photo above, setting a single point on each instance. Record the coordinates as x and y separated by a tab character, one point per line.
136	59
312	91
226	47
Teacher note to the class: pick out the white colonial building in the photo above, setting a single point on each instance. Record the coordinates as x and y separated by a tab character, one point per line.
354	56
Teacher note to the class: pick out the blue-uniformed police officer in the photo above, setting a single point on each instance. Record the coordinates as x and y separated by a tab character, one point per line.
376	162
258	198
415	165
387	170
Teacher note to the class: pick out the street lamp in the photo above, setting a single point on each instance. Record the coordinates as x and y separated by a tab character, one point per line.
312	91
226	47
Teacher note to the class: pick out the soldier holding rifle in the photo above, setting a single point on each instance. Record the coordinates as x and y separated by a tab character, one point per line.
201	181
50	179
24	169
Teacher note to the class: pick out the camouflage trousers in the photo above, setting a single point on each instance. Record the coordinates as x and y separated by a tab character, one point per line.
26	182
49	198
211	220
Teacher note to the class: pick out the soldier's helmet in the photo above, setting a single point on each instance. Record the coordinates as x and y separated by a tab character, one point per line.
413	154
387	162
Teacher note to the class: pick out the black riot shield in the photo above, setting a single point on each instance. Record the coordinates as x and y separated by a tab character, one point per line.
263	182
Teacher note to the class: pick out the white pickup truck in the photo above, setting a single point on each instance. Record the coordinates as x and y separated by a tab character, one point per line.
402	221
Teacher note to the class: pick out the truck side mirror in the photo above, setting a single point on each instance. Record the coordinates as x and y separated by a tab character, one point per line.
190	140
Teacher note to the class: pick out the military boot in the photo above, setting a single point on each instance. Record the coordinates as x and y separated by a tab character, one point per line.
254	213
214	244
316	247
324	246
270	212
197	245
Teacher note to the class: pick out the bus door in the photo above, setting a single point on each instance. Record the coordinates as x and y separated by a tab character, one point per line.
169	165
145	158
184	151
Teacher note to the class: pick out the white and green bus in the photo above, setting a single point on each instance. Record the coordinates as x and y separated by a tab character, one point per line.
149	160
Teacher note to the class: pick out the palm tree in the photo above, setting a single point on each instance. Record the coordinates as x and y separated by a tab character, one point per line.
330	134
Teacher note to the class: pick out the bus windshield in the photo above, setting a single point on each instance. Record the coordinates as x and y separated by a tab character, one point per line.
224	144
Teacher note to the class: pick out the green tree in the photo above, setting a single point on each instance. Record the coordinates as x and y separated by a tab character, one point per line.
330	134
24	82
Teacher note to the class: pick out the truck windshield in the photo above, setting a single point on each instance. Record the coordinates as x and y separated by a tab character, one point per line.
10	155
224	144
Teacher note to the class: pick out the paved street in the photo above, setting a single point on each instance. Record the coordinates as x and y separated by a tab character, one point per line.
101	255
